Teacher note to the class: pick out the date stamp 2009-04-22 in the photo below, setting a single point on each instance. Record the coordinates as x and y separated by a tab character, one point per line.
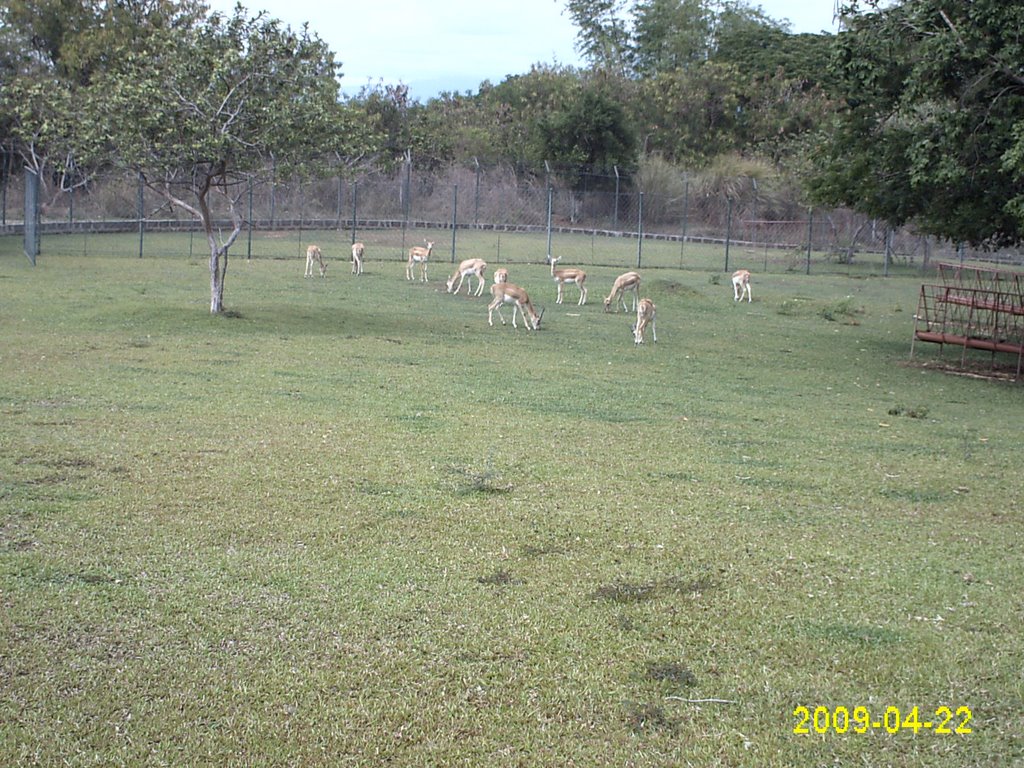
942	720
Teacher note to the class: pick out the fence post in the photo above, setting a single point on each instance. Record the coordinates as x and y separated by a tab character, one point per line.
341	200
273	193
407	187
476	195
31	236
248	248
639	229
302	210
142	214
728	231
888	251
355	199
810	237
455	216
4	173
686	215
551	192
615	214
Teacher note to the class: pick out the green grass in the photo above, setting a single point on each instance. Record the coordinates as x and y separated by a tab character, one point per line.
350	524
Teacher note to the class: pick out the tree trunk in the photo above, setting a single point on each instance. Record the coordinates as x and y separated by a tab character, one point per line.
218	268
218	250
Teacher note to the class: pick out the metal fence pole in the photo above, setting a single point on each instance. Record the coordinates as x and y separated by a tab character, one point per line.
302	208
551	192
888	250
639	229
31	235
728	231
810	237
686	215
615	214
455	216
273	195
248	253
4	175
476	196
337	208
142	215
355	203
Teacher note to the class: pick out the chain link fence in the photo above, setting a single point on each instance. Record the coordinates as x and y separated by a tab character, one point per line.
497	214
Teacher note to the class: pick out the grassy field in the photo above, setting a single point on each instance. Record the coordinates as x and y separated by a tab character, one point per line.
348	523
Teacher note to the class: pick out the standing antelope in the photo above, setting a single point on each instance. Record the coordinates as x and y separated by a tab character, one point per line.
313	254
644	317
501	275
563	276
469	268
630	281
507	293
418	255
358	249
741	285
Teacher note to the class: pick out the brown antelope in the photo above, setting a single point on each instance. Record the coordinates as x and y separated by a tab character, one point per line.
418	255
741	285
644	317
629	281
313	254
469	268
563	276
507	293
358	249
501	275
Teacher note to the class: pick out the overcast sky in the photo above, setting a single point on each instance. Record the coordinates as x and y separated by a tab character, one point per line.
454	45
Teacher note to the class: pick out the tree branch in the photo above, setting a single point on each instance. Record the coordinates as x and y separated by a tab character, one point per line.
1007	71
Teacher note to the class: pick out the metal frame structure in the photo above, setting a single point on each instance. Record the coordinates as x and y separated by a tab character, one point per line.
973	308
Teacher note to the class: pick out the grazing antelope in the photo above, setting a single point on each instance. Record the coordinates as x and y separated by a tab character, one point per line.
644	317
501	275
358	249
313	254
469	268
563	276
418	255
741	285
507	293
630	281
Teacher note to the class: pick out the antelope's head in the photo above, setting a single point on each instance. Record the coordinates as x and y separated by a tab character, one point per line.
535	320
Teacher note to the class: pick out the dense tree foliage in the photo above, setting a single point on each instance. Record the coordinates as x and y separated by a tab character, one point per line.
181	95
932	129
202	113
670	35
198	105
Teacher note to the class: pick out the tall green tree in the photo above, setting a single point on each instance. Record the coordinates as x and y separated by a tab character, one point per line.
932	124
202	112
591	131
518	107
690	116
669	35
603	36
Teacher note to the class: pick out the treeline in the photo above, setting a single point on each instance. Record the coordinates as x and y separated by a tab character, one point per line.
717	91
912	114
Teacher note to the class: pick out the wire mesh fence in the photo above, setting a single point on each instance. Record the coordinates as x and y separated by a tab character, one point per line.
497	214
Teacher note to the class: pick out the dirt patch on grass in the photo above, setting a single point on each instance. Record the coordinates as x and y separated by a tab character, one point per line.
646	717
499	579
670	672
636	592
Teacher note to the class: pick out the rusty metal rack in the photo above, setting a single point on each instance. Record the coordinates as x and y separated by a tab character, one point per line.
973	308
